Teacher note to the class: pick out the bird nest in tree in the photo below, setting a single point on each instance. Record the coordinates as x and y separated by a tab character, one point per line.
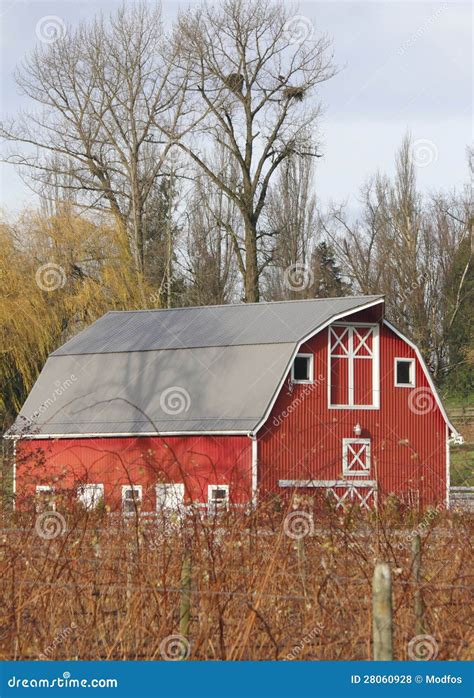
296	93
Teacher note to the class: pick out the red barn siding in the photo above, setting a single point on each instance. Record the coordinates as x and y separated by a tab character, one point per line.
302	439
195	460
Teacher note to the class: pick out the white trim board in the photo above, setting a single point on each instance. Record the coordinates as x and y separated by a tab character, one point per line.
118	435
448	469
327	483
254	470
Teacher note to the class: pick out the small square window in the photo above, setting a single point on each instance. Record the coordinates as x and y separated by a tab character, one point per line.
302	369
131	498
405	373
217	497
44	498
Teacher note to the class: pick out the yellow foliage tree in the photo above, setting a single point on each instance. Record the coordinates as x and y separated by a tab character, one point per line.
58	274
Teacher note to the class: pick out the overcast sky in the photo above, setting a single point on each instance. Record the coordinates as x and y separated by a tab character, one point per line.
403	65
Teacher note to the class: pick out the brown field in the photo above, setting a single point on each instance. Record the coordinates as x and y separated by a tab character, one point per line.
109	588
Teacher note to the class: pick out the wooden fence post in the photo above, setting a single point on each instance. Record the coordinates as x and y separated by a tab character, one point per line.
300	552
185	595
382	612
416	575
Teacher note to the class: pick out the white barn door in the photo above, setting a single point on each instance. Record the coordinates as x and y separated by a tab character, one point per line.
170	498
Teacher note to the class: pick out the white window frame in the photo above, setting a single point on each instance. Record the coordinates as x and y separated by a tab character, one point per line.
346	471
138	497
170	509
97	496
310	372
412	383
210	503
47	489
375	327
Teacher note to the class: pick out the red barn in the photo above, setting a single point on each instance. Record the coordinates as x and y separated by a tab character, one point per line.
225	404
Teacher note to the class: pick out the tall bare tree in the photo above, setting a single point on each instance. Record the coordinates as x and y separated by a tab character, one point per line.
252	79
290	220
101	92
408	247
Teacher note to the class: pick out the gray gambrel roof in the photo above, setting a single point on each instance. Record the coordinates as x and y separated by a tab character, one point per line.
206	369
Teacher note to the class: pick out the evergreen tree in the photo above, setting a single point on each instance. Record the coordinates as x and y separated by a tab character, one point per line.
328	281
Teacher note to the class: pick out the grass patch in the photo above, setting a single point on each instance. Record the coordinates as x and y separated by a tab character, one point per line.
462	465
457	401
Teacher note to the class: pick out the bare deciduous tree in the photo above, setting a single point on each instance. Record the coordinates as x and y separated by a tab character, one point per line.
251	87
101	93
290	219
406	247
212	252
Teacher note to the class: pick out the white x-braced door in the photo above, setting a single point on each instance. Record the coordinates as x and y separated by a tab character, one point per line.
356	457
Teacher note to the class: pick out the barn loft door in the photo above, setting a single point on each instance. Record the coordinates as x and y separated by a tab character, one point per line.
356	457
353	365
